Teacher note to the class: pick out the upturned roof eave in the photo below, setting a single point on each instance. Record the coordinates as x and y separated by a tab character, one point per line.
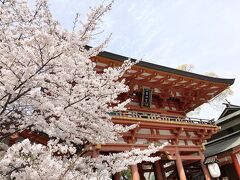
157	67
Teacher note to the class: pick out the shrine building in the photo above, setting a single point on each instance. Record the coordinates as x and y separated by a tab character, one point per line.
161	98
224	147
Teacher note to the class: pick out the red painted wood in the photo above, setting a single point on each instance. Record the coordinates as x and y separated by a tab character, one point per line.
236	164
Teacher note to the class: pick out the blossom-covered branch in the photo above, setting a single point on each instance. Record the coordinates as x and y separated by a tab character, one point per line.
49	85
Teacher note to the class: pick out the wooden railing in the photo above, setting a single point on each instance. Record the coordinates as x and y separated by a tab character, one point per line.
162	117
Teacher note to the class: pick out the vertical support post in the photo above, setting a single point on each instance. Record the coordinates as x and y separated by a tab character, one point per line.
135	174
204	168
180	168
116	176
158	170
140	171
236	164
163	170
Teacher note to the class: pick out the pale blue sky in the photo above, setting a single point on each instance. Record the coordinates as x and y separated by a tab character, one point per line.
205	33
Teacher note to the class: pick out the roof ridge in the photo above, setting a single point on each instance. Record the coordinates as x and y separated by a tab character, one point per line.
117	57
228	117
222	138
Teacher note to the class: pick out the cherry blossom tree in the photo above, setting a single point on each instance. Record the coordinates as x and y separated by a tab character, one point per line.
49	85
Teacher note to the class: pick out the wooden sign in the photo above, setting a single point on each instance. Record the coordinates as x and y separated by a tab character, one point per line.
146	97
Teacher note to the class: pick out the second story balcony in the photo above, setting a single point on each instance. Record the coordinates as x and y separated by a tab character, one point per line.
147	116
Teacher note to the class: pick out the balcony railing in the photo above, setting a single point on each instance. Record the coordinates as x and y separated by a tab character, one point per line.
162	117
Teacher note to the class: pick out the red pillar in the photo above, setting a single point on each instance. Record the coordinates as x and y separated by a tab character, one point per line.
204	168
163	170
135	174
158	170
180	168
141	172
116	176
236	164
